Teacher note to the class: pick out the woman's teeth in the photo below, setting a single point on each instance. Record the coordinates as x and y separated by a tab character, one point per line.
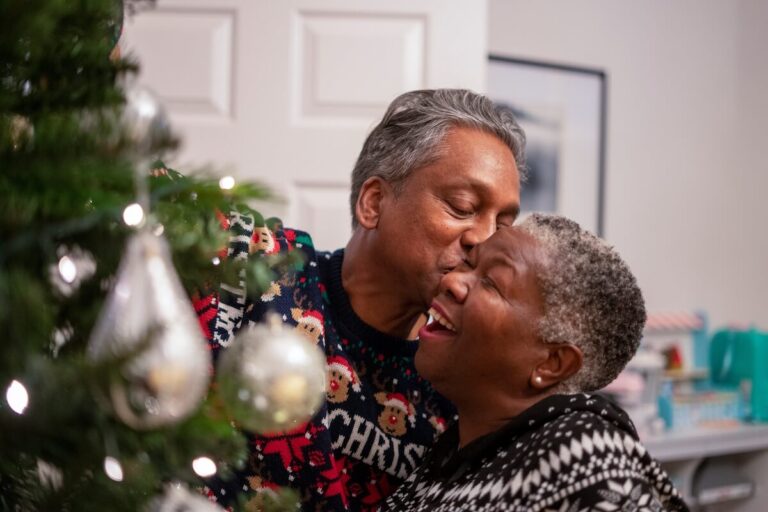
442	321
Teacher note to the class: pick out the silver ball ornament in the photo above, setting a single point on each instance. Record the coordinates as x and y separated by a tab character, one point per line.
177	498
272	379
144	119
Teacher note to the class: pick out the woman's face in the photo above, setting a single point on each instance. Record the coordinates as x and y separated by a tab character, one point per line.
484	337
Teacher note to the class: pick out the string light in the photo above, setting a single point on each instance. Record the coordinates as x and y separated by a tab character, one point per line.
146	106
204	466
72	268
215	260
17	397
227	183
67	269
113	468
133	215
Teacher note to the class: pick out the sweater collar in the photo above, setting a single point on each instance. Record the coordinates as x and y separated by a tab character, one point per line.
346	318
453	461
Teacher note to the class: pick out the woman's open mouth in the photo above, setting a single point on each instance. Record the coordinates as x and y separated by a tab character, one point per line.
440	319
439	328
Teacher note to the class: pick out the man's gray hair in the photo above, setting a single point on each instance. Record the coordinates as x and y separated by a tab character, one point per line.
411	133
591	300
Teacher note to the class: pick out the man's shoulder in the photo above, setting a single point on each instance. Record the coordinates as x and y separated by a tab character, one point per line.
281	275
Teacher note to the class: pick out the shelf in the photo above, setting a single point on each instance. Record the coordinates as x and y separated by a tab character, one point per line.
707	442
686	375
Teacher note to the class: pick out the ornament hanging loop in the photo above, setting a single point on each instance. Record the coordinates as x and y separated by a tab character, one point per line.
147	129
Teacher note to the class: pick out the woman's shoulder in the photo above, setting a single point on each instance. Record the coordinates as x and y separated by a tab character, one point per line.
564	432
591	455
560	418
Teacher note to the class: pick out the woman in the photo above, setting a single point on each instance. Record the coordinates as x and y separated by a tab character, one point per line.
541	314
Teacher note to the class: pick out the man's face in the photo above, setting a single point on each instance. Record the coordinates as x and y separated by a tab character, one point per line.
484	336
445	208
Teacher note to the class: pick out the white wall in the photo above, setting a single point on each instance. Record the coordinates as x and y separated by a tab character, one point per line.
687	111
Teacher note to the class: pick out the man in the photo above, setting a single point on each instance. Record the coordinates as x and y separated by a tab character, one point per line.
439	174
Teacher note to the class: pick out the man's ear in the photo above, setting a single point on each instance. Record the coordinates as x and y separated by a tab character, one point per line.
369	201
563	361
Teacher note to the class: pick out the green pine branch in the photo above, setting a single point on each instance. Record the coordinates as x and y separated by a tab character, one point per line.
66	174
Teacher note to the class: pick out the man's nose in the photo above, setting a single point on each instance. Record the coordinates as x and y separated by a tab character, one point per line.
481	230
456	284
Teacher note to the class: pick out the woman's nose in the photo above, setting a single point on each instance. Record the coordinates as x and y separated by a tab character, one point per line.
456	284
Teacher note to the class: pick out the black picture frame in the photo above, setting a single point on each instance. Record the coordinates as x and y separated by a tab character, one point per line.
563	109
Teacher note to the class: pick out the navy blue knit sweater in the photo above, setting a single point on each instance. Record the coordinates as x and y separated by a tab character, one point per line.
379	417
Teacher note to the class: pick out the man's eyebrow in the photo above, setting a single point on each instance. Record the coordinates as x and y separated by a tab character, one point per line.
513	211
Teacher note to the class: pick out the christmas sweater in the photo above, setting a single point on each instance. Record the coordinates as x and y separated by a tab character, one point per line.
565	453
379	417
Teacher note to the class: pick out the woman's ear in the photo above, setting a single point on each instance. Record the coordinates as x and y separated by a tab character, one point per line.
368	206
563	361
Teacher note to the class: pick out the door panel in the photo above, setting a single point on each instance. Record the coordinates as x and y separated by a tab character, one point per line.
286	91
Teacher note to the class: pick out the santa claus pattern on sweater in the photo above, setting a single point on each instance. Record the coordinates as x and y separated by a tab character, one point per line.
380	416
567	453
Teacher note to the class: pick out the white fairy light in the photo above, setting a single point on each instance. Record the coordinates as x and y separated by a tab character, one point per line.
74	266
17	397
215	260
113	468
133	215
146	106
227	183
204	466
67	269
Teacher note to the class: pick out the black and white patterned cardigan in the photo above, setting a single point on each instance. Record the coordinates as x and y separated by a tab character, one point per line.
567	453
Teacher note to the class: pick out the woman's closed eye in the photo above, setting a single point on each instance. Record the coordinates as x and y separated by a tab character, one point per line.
490	284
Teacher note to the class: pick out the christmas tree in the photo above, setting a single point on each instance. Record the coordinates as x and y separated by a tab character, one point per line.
71	148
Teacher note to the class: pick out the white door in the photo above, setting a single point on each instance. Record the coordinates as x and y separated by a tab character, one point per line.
285	91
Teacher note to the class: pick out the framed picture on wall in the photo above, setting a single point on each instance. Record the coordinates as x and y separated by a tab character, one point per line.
562	109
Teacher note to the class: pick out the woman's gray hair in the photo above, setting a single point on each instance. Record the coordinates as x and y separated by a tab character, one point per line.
411	133
591	300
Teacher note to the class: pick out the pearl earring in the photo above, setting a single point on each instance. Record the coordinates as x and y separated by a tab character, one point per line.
537	379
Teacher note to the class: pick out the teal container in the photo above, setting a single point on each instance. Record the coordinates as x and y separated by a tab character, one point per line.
760	376
739	359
